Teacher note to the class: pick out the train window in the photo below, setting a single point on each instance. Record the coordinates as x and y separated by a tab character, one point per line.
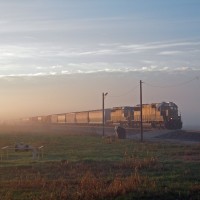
173	108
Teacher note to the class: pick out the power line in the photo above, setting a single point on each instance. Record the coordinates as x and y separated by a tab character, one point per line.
175	85
126	93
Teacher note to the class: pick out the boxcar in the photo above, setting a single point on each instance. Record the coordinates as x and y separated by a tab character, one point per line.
96	116
82	117
61	118
39	118
54	119
33	119
70	118
46	119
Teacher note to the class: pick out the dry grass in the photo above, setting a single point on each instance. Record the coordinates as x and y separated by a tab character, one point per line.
86	185
81	167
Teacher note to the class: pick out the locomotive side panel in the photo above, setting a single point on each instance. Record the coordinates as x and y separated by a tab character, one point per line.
122	115
117	115
146	110
159	117
150	115
136	116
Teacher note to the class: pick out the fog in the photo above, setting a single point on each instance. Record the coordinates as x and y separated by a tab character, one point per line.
43	95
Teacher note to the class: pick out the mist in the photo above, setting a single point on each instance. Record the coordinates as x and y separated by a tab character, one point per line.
44	95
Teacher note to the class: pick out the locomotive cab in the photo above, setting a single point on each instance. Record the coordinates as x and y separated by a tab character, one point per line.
169	111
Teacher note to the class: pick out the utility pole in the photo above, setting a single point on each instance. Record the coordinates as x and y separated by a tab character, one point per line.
103	114
141	125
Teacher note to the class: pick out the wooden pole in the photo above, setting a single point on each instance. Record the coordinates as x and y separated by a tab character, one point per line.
103	121
141	124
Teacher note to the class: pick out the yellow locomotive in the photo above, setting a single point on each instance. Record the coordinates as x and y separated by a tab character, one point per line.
163	114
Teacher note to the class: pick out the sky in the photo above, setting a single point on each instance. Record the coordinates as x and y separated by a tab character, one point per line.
60	55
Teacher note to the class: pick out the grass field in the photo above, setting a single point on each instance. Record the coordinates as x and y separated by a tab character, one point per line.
82	166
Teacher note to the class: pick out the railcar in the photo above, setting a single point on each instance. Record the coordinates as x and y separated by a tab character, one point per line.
61	118
46	119
82	117
123	116
96	116
163	114
53	118
70	118
33	119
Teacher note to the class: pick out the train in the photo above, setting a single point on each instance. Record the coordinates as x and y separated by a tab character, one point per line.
155	115
164	114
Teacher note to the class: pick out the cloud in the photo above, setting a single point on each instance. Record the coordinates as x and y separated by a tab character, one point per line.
121	49
86	53
47	59
96	67
16	51
23	75
147	61
159	45
119	67
41	50
171	48
170	52
56	67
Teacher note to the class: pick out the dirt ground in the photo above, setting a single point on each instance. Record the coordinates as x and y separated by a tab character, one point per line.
176	136
162	135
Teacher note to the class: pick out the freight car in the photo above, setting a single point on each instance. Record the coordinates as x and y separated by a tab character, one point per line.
70	118
96	116
163	114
